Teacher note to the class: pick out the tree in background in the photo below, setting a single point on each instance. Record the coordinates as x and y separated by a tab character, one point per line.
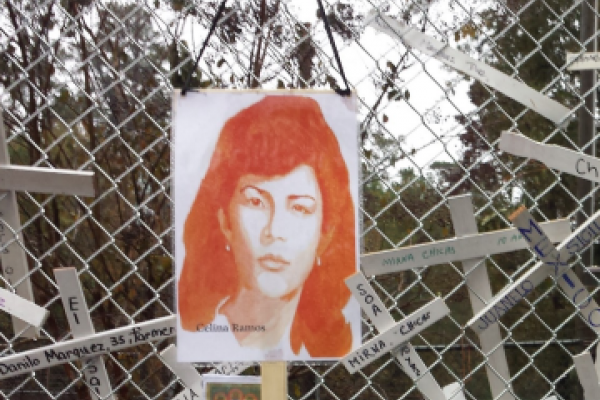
108	114
533	48
524	47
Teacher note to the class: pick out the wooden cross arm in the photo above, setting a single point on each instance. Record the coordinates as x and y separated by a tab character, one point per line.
587	375
46	180
22	308
413	37
396	335
556	157
456	249
76	349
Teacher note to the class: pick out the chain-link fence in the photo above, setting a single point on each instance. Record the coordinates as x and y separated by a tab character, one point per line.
86	85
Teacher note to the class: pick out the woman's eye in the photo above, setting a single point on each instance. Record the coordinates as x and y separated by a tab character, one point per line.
301	209
256	202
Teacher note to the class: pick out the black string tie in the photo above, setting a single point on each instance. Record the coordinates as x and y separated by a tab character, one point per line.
213	25
341	92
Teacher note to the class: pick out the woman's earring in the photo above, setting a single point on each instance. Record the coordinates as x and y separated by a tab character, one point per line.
318	261
227	247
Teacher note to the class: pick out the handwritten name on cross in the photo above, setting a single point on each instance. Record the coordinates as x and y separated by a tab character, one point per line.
456	249
480	291
400	333
588	375
81	325
87	347
554	263
491	77
556	157
41	180
579	62
191	379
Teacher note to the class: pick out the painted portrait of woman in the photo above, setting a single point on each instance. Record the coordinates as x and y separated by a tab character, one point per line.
270	233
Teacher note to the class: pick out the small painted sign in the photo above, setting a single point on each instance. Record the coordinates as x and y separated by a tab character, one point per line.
491	77
556	157
396	335
81	326
554	263
221	387
456	249
77	349
578	62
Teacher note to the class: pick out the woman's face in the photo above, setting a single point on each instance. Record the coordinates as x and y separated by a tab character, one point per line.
273	227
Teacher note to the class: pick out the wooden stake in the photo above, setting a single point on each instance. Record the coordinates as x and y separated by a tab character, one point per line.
274	380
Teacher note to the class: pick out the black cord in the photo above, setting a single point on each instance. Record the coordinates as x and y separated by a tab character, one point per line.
213	25
341	92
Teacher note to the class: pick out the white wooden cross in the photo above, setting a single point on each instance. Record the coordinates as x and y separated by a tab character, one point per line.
33	179
470	248
81	325
191	378
556	157
86	347
554	263
588	375
480	291
491	77
394	337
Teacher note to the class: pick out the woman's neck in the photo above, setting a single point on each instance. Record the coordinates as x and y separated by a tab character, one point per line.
260	321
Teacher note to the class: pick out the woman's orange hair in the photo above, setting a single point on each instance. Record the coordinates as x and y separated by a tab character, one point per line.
272	137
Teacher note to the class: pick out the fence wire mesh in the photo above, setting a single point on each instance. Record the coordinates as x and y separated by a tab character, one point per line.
86	85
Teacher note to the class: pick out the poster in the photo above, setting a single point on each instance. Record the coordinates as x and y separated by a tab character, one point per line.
265	187
223	387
